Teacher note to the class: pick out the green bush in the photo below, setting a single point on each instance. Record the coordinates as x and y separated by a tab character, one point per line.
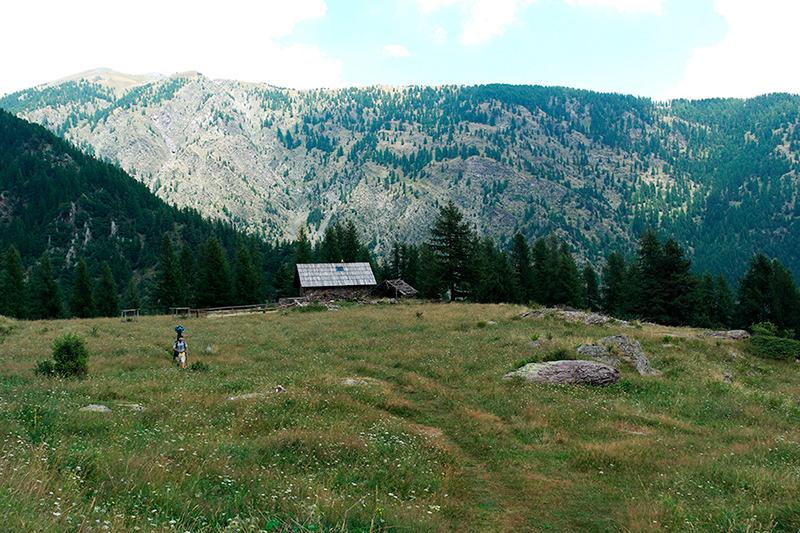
765	328
45	368
771	347
70	356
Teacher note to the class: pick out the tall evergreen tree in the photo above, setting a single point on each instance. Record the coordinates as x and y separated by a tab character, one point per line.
523	270
451	244
677	286
82	302
566	280
302	248
649	300
349	243
46	299
214	278
723	300
429	283
329	250
613	288
540	257
186	275
131	298
245	277
755	293
105	295
705	314
785	305
168	278
13	289
592	288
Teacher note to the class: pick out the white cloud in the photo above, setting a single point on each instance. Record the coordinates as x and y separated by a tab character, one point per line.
654	7
483	19
395	51
240	39
439	36
756	56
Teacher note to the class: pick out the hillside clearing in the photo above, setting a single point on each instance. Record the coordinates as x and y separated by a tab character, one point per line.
392	417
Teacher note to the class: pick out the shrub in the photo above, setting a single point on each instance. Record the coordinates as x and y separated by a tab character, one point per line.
771	347
70	356
765	328
199	366
45	368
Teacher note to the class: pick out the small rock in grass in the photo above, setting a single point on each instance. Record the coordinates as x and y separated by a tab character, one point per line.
727	377
247	396
96	408
133	406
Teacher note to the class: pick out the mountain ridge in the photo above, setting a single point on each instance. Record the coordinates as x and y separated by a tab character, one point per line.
595	168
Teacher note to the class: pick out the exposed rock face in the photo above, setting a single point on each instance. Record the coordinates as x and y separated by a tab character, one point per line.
598	353
732	334
567	373
590	319
631	351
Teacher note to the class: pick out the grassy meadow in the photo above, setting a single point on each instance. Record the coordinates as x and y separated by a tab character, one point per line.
393	418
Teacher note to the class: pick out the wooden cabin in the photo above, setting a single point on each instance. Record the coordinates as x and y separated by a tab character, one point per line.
334	281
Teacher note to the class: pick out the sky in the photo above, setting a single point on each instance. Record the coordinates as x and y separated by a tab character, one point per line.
658	48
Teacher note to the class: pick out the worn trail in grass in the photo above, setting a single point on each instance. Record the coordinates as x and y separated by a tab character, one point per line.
393	417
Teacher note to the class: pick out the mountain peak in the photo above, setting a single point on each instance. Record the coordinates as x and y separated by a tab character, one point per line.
113	79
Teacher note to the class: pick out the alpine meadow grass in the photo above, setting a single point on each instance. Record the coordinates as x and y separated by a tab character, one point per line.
391	417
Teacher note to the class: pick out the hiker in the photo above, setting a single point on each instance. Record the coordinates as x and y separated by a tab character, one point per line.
179	348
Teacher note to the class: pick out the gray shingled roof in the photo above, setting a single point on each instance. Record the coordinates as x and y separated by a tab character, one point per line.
313	275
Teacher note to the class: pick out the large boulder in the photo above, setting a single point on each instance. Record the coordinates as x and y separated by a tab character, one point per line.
598	353
567	373
732	334
630	350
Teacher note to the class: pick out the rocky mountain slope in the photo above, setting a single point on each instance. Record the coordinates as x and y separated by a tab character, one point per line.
722	175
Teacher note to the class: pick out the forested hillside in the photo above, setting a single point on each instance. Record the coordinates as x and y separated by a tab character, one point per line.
61	207
595	169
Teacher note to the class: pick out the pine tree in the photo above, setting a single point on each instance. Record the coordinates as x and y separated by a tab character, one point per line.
214	279
186	276
566	279
245	287
677	285
302	248
613	288
82	302
785	305
168	278
107	301
131	299
705	314
46	300
755	293
649	301
329	247
540	257
411	272
13	289
451	242
523	271
723	299
592	289
396	263
349	243
429	283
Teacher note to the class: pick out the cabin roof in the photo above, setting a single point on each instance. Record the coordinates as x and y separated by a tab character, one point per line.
316	275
